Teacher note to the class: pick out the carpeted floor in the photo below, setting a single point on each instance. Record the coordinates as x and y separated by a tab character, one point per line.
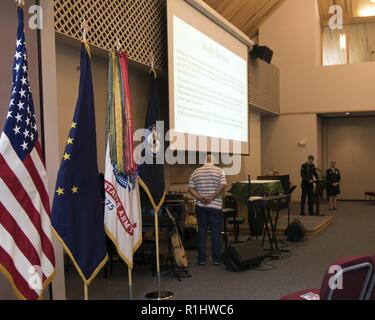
352	233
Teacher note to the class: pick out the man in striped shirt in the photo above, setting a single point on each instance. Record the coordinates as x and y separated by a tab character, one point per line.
207	185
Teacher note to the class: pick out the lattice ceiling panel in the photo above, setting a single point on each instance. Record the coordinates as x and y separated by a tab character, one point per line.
139	25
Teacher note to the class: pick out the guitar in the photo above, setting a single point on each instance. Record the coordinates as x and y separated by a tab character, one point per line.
178	248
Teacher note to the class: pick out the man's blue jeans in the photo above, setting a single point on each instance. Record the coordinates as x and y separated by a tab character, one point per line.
213	219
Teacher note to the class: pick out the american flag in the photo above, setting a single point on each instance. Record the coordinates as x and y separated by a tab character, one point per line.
26	251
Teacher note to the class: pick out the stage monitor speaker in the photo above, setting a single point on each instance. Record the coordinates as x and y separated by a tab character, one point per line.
296	231
262	52
244	256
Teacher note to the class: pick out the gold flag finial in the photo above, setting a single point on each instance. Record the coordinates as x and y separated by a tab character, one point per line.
85	30
20	3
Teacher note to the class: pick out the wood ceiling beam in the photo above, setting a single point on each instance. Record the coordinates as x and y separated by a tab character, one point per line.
247	15
348	21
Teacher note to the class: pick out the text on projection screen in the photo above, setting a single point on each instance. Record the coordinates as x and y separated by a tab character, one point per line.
210	86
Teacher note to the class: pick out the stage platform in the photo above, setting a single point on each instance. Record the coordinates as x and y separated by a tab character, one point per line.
313	224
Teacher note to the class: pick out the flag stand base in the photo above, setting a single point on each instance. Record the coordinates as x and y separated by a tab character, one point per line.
162	295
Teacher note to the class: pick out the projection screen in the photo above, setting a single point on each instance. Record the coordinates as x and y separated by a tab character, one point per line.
208	80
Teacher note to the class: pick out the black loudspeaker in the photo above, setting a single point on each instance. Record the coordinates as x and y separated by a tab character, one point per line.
296	231
262	52
243	256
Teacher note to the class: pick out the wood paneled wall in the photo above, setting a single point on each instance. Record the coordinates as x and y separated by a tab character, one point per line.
360	44
352	9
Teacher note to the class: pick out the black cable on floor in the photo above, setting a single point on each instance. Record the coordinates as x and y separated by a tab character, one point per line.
267	264
285	255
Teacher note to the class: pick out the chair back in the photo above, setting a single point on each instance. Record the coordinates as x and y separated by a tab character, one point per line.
370	295
230	203
348	279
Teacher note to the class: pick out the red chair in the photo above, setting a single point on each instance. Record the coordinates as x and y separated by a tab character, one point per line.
356	275
371	291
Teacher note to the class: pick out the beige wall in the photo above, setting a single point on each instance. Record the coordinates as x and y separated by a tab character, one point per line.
320	145
350	142
280	149
293	32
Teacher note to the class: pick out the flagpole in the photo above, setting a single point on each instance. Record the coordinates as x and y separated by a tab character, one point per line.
158	294
156	218
84	30
157	248
86	292
130	276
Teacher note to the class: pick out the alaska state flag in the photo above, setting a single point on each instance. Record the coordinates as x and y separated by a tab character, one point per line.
77	213
152	172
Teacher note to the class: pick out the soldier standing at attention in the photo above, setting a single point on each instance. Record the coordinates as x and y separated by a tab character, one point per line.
308	172
333	178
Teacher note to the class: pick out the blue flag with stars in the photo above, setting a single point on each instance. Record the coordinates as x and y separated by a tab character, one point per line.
77	212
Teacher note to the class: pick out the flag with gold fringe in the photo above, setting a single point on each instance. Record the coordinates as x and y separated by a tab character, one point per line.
152	171
27	257
77	213
122	218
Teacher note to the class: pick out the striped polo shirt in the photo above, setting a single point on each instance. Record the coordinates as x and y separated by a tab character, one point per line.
207	180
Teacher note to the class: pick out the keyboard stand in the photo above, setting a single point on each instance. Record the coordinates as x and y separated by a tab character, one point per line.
270	225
